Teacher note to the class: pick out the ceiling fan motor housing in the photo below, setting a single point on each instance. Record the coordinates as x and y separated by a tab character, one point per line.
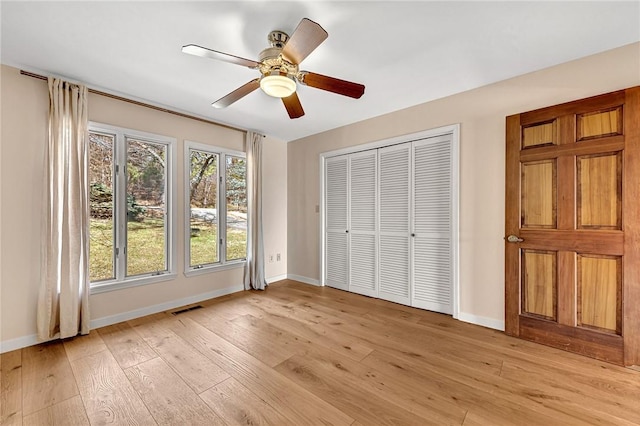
272	62
278	38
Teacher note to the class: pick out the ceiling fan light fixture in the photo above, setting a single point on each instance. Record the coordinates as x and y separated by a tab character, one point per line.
278	86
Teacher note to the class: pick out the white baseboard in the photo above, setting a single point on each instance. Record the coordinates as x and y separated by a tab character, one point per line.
154	309
483	321
18	343
23	342
305	280
276	278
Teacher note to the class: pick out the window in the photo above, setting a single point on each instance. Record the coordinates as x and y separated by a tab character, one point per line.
131	207
216	225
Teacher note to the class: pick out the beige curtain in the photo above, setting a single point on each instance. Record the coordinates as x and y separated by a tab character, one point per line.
63	302
254	267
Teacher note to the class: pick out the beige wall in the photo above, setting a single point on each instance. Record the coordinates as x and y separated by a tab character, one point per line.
481	113
274	215
24	130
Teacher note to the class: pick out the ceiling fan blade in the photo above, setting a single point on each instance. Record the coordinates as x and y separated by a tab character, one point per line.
193	49
237	94
331	84
293	106
307	36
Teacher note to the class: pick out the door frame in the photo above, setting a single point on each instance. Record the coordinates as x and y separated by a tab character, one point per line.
454	131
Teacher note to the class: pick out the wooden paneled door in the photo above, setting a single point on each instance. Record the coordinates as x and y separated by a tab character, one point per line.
573	226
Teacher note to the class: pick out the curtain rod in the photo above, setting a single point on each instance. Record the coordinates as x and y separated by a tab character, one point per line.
131	101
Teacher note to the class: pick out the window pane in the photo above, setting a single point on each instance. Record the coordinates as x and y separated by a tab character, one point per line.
101	232
203	196
236	197
146	207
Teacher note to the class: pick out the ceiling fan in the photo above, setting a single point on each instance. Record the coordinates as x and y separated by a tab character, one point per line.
279	68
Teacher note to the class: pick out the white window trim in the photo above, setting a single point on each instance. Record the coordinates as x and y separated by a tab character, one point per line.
121	281
223	264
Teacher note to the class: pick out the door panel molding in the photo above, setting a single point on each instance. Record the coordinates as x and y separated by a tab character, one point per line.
603	346
582	106
612	143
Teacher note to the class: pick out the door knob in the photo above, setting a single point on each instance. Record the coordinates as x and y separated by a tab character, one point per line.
514	239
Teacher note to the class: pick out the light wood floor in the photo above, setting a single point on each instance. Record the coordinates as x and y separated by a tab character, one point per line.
302	355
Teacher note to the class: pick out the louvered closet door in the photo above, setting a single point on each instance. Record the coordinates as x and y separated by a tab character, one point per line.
432	228
394	168
362	226
336	244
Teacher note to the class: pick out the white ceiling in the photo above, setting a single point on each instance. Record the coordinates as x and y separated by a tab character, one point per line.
405	53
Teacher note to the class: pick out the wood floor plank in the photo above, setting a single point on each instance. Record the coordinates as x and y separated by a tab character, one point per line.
80	346
198	371
237	405
571	396
353	301
126	345
289	307
314	332
46	377
11	388
422	400
349	395
107	395
518	396
296	403
66	413
410	338
250	340
228	307
274	335
169	399
465	394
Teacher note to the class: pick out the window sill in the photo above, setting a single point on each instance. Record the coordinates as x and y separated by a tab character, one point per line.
192	272
105	287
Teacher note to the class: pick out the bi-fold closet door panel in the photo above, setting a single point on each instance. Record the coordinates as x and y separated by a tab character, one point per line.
351	222
363	238
395	225
336	222
432	224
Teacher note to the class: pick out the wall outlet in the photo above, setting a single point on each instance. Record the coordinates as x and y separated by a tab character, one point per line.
278	258
270	258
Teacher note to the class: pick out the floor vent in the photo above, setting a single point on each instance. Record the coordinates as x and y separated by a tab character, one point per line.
182	311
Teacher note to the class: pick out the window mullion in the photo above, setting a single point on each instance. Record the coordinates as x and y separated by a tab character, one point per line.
187	206
222	208
168	222
121	207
